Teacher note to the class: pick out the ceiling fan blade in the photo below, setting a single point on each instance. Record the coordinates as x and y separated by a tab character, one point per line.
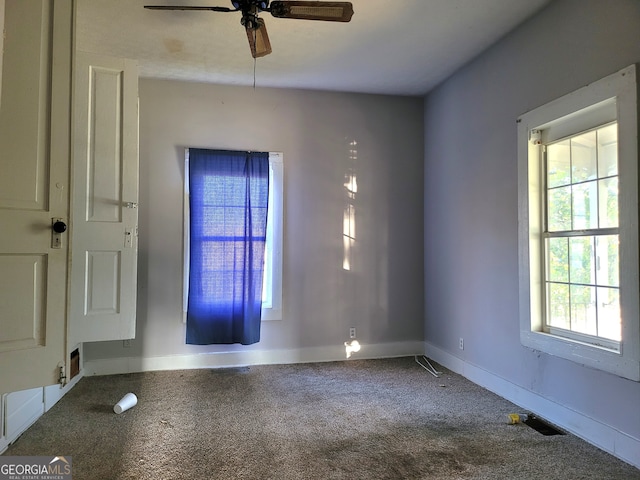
328	11
176	7
259	40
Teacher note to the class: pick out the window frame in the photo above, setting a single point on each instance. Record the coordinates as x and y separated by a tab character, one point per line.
613	98
271	307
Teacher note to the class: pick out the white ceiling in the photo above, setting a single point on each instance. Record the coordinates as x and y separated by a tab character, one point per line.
397	47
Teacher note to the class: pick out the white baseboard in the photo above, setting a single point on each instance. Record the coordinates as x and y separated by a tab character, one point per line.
605	437
113	366
20	410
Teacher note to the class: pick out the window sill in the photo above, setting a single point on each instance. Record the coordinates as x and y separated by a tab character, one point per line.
582	353
587	340
271	314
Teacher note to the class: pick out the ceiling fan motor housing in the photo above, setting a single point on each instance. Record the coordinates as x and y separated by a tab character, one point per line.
245	5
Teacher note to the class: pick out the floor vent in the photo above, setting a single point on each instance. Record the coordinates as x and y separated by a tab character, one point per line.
74	364
541	426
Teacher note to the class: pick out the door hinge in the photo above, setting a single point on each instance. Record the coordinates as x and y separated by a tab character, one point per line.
62	377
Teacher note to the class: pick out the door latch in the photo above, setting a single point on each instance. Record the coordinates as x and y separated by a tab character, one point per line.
58	227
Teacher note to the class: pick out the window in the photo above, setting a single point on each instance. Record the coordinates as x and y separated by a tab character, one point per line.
578	235
272	286
272	279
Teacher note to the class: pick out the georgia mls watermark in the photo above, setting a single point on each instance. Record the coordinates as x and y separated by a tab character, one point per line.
35	468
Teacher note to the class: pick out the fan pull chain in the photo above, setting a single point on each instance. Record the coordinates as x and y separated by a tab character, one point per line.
255	39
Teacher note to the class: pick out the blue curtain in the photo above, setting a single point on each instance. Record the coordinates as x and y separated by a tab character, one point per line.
229	194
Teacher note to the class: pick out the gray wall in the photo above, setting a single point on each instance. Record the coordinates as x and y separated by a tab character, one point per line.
381	296
471	198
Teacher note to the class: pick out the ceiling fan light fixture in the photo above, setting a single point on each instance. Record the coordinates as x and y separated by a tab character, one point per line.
259	39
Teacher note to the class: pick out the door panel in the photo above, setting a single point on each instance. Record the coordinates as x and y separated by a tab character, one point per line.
105	171
103	283
34	179
104	158
28	281
25	104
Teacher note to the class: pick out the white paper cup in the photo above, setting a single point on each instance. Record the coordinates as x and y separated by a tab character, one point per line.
125	403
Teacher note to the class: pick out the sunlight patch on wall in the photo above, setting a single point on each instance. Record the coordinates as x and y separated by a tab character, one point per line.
351	347
349	217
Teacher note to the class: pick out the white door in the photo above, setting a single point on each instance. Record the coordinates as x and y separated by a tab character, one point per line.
104	200
34	191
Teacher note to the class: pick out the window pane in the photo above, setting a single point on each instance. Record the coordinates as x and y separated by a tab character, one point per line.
585	214
266	284
558	301
212	221
583	157
259	192
213	188
607	260
558	164
558	259
235	191
608	202
257	213
234	222
581	260
583	309
217	286
559	209
608	151
213	254
609	313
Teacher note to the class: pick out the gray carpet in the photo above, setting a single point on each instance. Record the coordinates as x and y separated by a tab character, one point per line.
363	419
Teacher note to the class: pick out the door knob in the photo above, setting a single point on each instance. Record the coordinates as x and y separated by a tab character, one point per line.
59	226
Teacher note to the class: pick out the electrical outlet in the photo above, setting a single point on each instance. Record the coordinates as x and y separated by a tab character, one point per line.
352	332
461	343
126	343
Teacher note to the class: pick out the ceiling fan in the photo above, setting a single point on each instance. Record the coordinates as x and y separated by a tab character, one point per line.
255	26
